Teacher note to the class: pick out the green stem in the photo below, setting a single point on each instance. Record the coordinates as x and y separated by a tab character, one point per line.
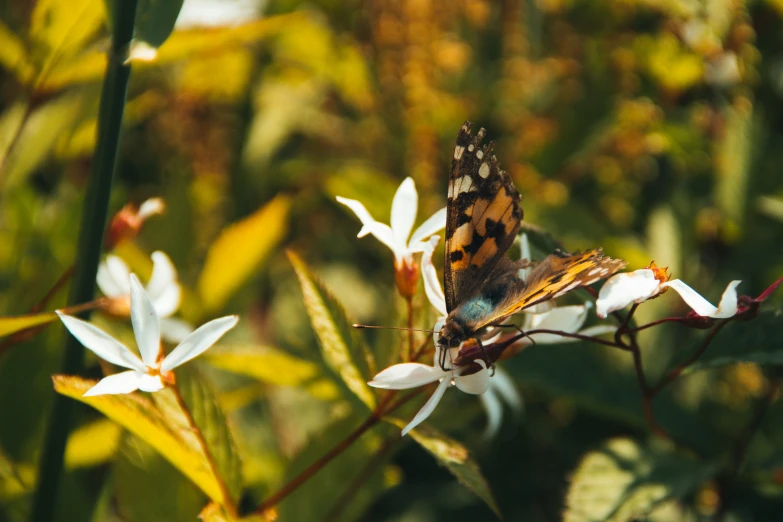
95	211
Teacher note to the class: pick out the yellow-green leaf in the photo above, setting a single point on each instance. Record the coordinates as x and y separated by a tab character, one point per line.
272	366
239	251
13	55
13	324
92	444
624	481
341	348
456	458
139	415
198	395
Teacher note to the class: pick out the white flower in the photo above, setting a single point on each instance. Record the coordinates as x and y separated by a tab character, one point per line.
147	373
411	375
403	215
501	389
638	286
163	289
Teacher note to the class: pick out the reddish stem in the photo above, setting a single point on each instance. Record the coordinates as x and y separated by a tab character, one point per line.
374	418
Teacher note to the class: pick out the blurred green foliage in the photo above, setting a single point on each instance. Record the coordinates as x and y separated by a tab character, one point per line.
654	129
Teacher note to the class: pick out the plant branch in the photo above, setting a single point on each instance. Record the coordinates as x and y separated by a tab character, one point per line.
364	475
581	337
95	212
228	502
408	350
373	419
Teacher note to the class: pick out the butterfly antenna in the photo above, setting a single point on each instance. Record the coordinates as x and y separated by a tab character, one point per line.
373	327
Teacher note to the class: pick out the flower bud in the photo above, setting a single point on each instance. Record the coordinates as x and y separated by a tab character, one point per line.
128	221
406	275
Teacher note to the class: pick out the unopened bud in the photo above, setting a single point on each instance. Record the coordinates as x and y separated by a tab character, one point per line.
406	275
128	222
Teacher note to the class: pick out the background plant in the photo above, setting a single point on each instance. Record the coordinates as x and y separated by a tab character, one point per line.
650	128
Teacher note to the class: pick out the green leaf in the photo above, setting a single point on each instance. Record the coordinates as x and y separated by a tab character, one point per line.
272	366
40	132
13	55
212	424
755	341
213	512
139	415
10	325
147	487
239	251
155	20
342	349
92	444
624	481
63	29
456	458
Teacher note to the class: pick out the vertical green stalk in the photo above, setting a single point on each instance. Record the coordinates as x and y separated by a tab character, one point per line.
96	206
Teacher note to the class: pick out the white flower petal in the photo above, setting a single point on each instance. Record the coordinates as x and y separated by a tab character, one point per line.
150	383
102	344
151	207
429	407
125	382
494	412
524	246
145	323
164	275
431	282
476	383
198	342
433	225
728	302
119	273
174	330
361	212
383	233
106	282
564	318
403	212
407	375
502	384
623	289
167	303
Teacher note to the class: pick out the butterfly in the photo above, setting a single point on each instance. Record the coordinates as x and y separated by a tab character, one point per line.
482	285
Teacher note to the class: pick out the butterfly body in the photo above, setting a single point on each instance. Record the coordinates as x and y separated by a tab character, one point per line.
483	218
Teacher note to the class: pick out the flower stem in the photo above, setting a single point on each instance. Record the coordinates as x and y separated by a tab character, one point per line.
95	211
408	350
374	418
228	502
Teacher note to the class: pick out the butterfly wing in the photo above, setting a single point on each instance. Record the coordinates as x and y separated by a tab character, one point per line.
483	216
556	275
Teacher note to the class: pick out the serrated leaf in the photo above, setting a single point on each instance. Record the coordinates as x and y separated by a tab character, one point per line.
148	488
456	458
239	250
624	481
212	424
139	415
155	20
10	325
341	348
755	341
273	366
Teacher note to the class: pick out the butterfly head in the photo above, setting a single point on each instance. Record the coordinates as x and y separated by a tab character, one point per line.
451	335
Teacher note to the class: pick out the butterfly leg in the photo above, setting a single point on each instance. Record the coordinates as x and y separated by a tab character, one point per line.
517	328
490	365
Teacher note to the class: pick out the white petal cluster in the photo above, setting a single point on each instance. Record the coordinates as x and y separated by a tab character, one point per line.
149	372
398	236
636	287
163	290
